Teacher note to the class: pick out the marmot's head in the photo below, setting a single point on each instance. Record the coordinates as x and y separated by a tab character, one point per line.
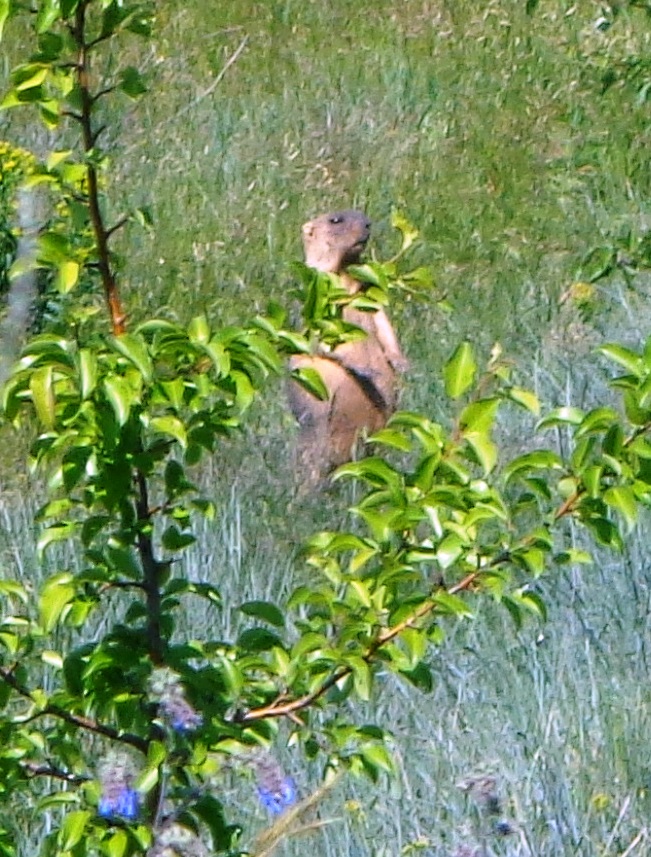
333	241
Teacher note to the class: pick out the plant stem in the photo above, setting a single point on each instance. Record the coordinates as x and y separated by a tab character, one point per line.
151	569
89	135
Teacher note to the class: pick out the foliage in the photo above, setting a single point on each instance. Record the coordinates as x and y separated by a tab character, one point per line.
15	165
122	420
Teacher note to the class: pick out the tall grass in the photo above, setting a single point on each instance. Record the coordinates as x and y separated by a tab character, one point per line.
496	133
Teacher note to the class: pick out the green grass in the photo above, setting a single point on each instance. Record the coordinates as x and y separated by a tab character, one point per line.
490	130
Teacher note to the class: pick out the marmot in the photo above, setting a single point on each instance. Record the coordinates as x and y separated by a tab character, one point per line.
362	376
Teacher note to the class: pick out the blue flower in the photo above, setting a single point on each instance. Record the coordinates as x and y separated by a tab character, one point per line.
165	687
181	715
280	798
121	803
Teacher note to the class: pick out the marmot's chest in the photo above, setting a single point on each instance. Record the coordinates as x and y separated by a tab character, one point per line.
366	351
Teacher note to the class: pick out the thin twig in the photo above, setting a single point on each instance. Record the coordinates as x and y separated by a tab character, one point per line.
620	818
215	83
641	835
267	841
35	770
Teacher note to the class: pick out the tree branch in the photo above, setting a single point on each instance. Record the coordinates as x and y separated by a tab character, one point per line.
111	294
281	708
33	769
78	720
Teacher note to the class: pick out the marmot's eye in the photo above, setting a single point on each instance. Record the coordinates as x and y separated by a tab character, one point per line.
336	219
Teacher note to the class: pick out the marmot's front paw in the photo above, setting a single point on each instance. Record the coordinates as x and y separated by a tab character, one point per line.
400	363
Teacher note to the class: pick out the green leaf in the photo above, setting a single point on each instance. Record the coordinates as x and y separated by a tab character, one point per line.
68	7
605	531
374	469
73	829
452	604
596	421
311	380
484	449
264	610
56	594
392	438
449	550
219	356
630	360
478	417
525	398
540	459
561	416
116	845
244	391
415	643
50	112
11	588
56	533
211	812
174	540
49	11
459	372
5	6
88	371
258	640
53	659
30	76
199	330
622	499
134	348
409	232
41	388
532	602
533	559
421	677
131	82
147	779
573	555
171	426
120	396
362	677
231	675
378	757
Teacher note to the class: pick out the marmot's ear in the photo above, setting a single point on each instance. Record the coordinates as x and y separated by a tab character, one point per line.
308	229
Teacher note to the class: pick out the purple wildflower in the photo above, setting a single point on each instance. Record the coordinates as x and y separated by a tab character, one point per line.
277	801
181	714
276	790
166	689
124	804
118	798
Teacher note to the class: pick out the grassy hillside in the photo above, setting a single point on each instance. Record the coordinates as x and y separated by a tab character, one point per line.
519	144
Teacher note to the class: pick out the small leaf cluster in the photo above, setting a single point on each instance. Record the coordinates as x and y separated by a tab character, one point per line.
134	402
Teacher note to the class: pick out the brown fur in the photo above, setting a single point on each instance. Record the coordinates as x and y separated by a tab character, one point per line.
361	377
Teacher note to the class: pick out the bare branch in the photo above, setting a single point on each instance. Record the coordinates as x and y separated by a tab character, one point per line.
120	223
32	769
215	83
